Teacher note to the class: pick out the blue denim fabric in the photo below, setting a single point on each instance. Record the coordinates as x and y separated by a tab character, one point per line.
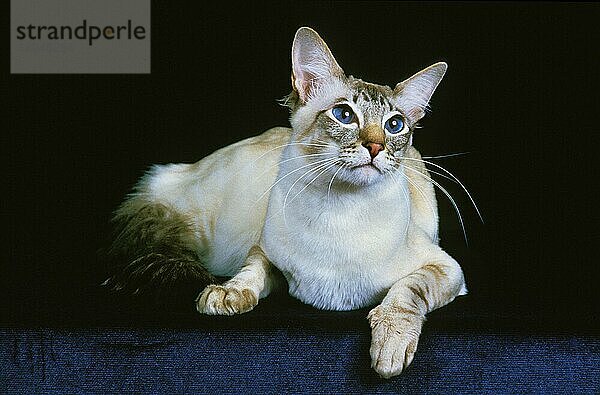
287	360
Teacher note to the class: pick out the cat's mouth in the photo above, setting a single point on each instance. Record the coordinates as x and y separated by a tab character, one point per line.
366	166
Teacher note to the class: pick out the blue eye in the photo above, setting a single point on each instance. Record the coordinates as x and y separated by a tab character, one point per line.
394	124
343	113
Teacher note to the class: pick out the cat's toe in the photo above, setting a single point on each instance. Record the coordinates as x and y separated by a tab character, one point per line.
223	300
393	355
239	300
210	300
394	341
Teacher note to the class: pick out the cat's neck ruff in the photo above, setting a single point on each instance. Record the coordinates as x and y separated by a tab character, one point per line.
337	246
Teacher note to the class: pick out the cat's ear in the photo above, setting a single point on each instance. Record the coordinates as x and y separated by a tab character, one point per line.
414	93
312	63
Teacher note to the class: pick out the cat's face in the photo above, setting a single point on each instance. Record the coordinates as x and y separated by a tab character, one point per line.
364	128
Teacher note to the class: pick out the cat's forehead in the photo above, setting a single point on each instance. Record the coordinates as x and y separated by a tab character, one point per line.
372	96
373	100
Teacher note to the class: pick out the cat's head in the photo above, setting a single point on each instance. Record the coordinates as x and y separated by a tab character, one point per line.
366	127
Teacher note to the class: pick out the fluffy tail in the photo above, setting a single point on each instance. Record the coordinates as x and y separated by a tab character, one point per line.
152	255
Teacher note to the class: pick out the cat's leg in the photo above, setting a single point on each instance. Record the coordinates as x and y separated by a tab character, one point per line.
396	323
255	280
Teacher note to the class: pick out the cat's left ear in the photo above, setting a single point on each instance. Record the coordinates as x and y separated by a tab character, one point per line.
312	63
414	93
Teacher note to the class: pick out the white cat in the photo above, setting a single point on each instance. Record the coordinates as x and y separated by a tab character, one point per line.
341	204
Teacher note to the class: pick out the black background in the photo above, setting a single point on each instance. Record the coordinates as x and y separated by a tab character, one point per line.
520	95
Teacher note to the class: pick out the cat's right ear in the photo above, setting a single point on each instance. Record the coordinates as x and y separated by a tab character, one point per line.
312	63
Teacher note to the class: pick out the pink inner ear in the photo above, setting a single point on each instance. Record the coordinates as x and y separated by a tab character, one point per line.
303	86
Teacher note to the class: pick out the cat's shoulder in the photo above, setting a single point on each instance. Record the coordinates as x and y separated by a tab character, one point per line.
277	135
274	137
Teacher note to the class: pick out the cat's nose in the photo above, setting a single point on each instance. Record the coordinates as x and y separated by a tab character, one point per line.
374	148
373	138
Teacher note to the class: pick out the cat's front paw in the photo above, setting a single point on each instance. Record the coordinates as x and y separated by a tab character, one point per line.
225	300
394	336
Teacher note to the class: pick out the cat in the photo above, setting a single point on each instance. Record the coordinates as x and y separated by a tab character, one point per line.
340	207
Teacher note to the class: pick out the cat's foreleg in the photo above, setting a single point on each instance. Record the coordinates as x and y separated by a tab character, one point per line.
255	280
396	323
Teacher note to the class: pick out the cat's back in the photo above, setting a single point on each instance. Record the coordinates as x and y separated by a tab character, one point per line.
225	170
249	154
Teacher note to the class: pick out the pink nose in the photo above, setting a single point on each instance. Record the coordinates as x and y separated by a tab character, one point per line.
374	148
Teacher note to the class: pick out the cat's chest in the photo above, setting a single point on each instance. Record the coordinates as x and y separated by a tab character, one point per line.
338	255
358	222
359	234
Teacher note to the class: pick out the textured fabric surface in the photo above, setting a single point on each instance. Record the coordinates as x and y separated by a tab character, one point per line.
287	360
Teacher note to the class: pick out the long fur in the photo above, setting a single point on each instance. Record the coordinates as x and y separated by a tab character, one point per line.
346	227
152	254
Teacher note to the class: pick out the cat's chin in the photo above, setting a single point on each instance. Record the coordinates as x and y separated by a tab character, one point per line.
363	175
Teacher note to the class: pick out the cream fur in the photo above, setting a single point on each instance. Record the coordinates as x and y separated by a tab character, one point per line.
325	264
220	194
344	237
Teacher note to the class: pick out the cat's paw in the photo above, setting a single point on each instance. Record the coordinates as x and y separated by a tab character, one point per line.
225	300
394	337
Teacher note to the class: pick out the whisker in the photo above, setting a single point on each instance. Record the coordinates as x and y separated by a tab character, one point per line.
301	156
455	178
441	188
291	172
325	143
332	178
311	181
317	168
286	145
446	156
437	173
421	192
